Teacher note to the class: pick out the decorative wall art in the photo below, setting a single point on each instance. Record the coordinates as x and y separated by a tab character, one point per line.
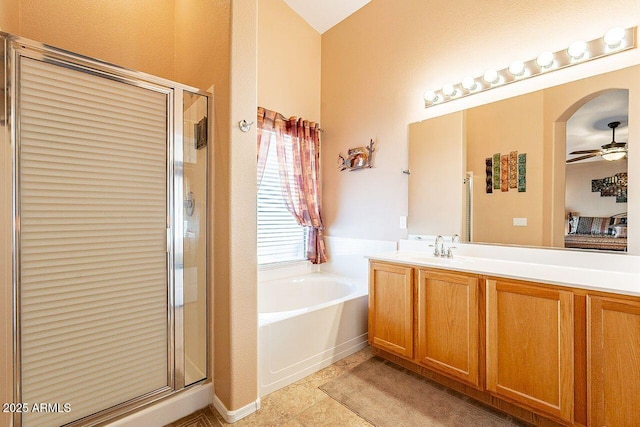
357	158
496	171
513	169
611	186
489	174
506	171
522	173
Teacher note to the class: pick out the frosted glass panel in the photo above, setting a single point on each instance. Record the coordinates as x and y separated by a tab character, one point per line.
194	244
93	241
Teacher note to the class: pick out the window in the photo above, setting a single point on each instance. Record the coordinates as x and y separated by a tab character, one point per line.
280	238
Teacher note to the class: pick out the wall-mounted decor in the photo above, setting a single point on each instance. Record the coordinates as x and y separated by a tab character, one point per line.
522	173
611	186
496	171
506	171
513	169
357	158
489	174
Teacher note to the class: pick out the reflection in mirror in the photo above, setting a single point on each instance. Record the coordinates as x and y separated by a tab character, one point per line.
449	151
596	173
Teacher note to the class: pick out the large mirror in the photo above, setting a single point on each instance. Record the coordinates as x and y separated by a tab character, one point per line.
555	199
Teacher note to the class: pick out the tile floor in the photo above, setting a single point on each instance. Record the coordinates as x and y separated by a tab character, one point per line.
301	404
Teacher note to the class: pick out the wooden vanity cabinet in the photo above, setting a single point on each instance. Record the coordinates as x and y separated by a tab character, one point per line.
391	291
570	355
613	361
530	346
448	324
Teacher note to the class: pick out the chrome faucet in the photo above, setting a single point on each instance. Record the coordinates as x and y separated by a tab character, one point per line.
454	239
438	250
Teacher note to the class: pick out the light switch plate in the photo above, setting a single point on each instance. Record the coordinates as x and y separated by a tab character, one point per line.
519	222
403	222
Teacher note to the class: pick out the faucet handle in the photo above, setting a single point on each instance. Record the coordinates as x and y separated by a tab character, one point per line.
436	251
450	252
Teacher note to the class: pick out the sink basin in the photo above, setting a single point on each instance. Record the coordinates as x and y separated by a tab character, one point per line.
432	259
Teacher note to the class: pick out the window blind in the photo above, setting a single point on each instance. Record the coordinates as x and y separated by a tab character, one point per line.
93	270
280	238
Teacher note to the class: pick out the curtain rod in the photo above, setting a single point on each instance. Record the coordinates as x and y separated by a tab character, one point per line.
282	116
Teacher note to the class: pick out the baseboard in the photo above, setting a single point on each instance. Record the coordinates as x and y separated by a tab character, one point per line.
235	415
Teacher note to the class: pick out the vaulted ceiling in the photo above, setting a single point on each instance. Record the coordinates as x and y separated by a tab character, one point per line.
324	14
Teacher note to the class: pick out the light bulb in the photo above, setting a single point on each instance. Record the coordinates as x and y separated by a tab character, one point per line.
545	59
449	90
491	76
469	83
577	49
613	38
430	96
614	155
516	68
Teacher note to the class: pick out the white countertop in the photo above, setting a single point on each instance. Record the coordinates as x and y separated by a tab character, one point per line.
618	275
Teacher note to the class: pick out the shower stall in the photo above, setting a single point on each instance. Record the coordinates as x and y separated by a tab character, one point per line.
105	232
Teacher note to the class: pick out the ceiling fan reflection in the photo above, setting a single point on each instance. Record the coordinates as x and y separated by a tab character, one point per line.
611	151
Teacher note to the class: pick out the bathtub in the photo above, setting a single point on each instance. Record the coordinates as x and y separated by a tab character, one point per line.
306	323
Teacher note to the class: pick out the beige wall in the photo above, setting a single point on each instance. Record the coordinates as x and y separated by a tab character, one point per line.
202	45
235	299
289	56
514	124
378	62
10	16
579	197
134	34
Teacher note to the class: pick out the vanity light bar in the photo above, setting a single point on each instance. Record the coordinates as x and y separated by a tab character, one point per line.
615	40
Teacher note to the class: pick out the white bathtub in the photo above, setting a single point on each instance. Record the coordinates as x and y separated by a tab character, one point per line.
306	323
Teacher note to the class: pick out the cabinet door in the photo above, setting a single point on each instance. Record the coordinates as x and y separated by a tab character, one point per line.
613	362
530	346
391	308
447	324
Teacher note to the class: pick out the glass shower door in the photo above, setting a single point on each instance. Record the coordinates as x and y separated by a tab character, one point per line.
92	209
195	152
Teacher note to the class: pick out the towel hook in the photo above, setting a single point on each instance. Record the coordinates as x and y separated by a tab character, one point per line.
244	125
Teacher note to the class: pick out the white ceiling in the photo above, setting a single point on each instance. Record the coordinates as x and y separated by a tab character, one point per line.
587	129
324	14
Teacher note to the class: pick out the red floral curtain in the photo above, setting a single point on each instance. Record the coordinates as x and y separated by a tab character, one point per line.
297	144
266	126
